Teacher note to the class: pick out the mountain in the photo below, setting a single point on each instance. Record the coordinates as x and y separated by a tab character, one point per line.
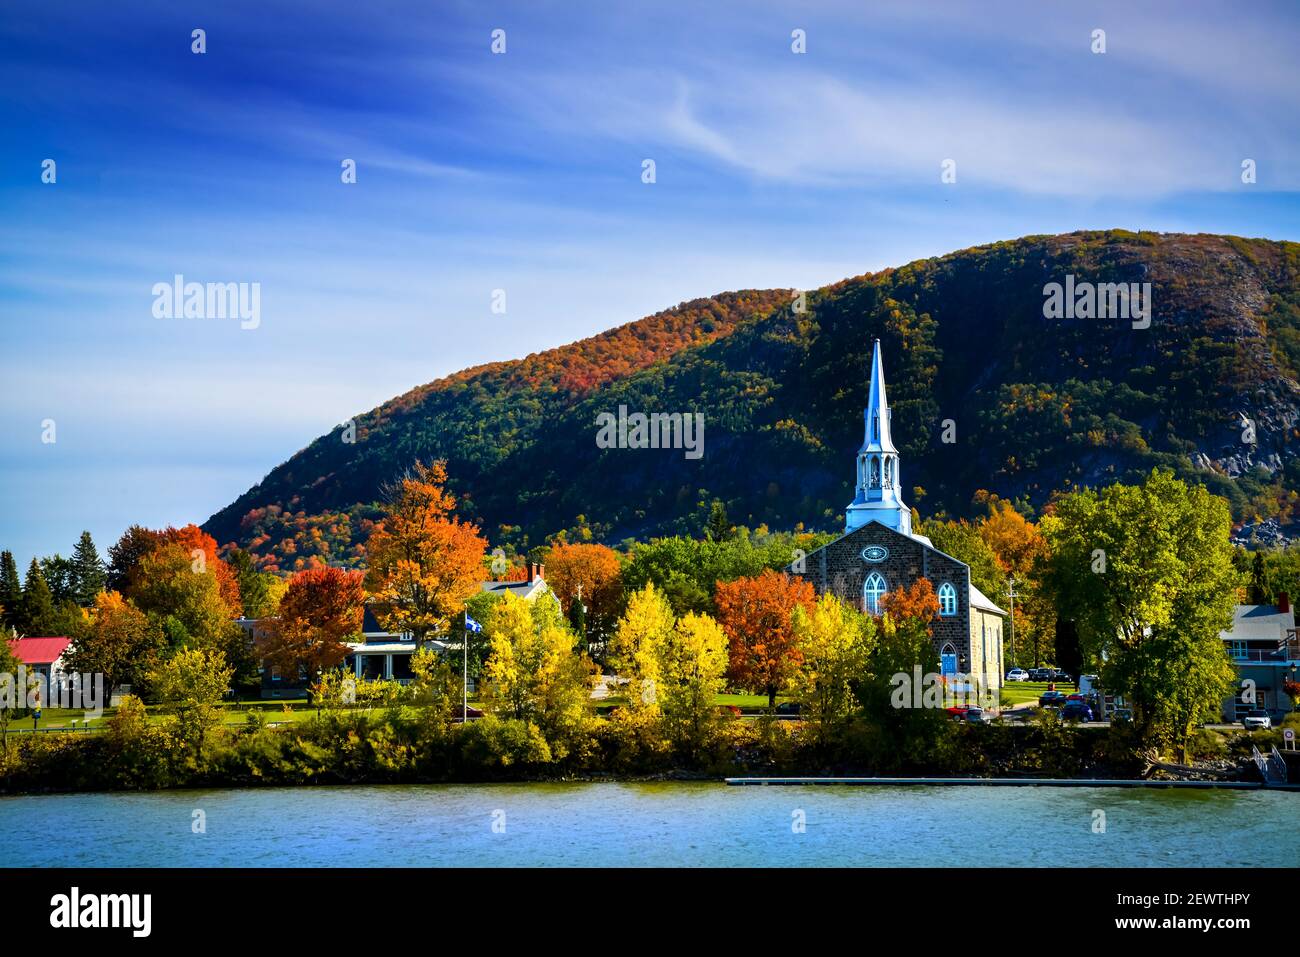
988	395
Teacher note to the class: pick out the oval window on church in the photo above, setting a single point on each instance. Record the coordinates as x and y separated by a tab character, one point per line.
875	553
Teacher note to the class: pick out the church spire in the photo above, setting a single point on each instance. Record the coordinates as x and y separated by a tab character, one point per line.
878	495
878	438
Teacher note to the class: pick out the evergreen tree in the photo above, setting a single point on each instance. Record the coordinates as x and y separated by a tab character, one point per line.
36	610
11	591
719	527
88	572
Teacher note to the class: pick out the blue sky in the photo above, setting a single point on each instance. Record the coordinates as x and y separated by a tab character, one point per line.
522	172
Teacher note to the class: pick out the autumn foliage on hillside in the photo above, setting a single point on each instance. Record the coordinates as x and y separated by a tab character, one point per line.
1037	408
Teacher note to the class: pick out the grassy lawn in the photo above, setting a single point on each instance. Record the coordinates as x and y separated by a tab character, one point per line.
1020	691
281	712
746	700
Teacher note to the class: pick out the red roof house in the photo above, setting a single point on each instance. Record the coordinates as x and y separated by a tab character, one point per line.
40	654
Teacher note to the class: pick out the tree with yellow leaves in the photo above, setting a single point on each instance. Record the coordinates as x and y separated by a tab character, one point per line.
835	641
424	561
636	651
692	670
675	667
534	671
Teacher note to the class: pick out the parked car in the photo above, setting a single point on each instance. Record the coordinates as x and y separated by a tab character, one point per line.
1076	711
1256	719
1122	715
968	713
788	708
1076	697
1017	674
1039	674
1051	699
1056	674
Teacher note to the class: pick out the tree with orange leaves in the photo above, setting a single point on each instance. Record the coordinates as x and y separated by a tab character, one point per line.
597	571
424	561
1015	540
196	541
1020	549
915	603
756	615
319	612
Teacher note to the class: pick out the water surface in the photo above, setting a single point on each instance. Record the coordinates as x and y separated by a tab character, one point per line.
654	825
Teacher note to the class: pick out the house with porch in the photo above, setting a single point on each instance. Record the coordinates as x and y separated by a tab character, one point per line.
386	655
1264	648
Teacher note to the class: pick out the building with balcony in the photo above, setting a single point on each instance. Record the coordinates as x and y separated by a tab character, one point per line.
1263	646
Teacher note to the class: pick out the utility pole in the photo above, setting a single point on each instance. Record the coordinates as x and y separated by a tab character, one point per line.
1012	594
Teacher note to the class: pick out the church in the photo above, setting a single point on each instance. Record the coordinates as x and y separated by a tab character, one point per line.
879	552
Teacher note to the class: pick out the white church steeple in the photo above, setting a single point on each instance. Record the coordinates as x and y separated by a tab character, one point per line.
879	495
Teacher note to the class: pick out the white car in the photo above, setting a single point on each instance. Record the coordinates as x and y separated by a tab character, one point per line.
1256	719
1017	674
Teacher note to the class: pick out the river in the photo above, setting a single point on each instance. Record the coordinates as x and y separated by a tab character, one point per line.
660	824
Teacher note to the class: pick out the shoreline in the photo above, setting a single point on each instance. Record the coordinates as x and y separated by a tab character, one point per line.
689	778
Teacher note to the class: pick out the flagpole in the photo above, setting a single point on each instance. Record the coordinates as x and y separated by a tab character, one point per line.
464	644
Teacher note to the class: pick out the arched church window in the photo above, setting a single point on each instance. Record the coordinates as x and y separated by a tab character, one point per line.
873	589
875	472
889	472
947	599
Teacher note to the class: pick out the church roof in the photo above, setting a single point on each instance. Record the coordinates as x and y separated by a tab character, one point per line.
978	599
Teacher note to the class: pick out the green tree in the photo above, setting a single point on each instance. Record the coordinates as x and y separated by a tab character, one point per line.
58	574
88	572
191	685
903	731
8	703
719	527
11	591
260	592
1146	573
136	542
37	615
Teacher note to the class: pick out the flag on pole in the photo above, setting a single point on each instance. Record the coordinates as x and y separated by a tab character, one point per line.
472	625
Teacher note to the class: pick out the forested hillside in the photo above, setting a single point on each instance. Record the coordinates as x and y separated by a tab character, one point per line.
1033	405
